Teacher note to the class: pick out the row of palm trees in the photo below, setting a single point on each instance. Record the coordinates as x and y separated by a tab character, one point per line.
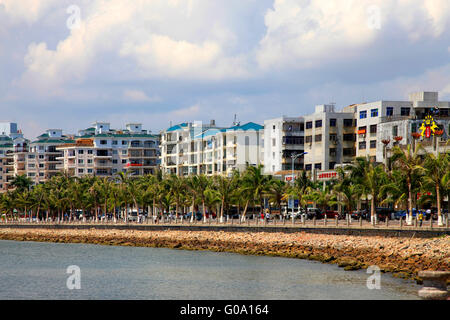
60	198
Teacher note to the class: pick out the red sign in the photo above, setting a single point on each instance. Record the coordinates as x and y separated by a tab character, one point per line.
327	175
428	132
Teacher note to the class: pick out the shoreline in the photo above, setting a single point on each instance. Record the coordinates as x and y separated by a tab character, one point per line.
402	257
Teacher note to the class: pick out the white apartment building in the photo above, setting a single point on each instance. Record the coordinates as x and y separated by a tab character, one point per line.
42	159
11	141
398	128
329	138
283	137
102	151
194	148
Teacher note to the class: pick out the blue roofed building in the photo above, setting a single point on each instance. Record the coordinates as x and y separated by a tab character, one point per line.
198	148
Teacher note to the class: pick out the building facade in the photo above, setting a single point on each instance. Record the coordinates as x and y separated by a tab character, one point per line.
104	152
329	138
283	138
194	148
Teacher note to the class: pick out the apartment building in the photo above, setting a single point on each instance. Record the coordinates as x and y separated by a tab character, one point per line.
42	159
11	141
383	124
102	151
283	138
329	137
195	148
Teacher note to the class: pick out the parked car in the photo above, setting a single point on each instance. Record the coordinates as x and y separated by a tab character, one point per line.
331	214
197	216
314	212
359	214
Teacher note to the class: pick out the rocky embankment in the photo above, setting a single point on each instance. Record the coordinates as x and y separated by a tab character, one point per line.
403	257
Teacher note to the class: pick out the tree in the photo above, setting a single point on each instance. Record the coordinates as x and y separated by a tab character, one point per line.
409	163
436	169
21	183
256	184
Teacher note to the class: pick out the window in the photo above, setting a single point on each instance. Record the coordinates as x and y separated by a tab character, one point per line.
318	166
80	170
114	142
349	137
274	142
293	140
374	113
124	152
115	161
404	111
373	128
348	122
89	161
41	165
308	167
41	156
373	144
333	152
332	122
309	125
274	127
362	145
395	131
349	152
389	111
333	137
80	151
31	156
332	165
308	139
124	161
103	142
90	152
363	114
318	138
89	171
124	142
80	161
318	123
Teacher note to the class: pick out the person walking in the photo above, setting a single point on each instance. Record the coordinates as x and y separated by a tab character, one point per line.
420	217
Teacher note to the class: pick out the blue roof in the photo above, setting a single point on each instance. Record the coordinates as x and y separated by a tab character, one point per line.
208	133
245	127
177	127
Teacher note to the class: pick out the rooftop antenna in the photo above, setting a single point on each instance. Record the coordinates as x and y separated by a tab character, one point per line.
235	122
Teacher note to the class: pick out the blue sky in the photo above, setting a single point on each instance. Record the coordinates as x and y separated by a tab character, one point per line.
67	63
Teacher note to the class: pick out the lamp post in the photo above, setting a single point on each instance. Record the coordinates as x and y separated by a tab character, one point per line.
294	157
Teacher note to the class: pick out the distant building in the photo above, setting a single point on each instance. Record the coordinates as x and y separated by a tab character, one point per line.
104	152
194	148
329	138
283	138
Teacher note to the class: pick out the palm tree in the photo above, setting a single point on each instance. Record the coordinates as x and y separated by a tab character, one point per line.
277	191
373	180
256	184
436	169
177	187
21	183
225	187
409	163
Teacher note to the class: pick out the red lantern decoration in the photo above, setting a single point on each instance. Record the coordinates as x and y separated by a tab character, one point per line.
386	141
439	132
398	139
415	135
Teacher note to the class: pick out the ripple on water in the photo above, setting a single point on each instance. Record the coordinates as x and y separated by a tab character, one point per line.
34	270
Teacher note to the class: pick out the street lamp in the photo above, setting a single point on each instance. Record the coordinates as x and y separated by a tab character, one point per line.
294	157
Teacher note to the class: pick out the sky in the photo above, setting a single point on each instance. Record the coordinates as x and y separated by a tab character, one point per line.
68	63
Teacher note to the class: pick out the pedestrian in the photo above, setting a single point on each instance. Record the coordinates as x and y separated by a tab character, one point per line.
420	218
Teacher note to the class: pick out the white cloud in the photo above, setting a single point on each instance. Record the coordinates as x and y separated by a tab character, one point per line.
29	11
139	96
306	34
